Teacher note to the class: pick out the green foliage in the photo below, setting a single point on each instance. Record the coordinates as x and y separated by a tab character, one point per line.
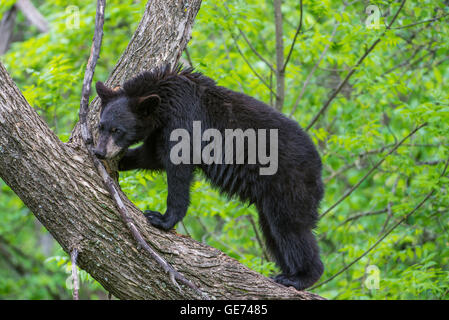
400	85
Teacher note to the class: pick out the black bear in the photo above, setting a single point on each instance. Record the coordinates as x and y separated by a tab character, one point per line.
154	105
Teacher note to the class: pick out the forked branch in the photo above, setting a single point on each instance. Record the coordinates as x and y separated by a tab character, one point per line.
108	181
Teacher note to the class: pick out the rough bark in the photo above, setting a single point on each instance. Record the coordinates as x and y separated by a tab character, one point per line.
61	187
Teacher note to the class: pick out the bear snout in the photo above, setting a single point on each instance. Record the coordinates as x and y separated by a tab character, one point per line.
100	154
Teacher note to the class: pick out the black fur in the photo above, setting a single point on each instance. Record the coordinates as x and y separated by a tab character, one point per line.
287	201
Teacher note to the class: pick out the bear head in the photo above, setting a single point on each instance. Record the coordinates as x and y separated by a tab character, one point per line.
124	120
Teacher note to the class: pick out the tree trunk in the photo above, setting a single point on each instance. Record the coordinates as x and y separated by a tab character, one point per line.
60	185
32	15
6	29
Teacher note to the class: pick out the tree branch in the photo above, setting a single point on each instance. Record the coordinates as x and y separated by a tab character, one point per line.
89	74
254	50
280	71
298	29
363	214
421	22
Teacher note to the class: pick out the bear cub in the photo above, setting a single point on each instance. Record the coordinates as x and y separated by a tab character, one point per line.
154	104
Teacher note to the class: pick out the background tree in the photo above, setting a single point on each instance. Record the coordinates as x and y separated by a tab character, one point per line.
382	135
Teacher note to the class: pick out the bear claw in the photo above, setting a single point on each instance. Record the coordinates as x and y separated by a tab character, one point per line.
158	220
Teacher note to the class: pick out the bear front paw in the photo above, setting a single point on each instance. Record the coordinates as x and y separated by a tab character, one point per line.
158	220
289	281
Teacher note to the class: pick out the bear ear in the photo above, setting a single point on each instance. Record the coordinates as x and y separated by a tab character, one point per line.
104	92
146	105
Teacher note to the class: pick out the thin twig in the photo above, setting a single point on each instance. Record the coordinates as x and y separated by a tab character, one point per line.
108	181
231	64
340	171
269	65
421	22
406	62
189	59
185	229
251	67
309	77
363	214
89	73
429	163
280	72
353	70
234	38
389	206
298	30
75	278
353	188
258	237
254	49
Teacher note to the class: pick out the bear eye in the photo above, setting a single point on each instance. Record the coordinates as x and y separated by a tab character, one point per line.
116	130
